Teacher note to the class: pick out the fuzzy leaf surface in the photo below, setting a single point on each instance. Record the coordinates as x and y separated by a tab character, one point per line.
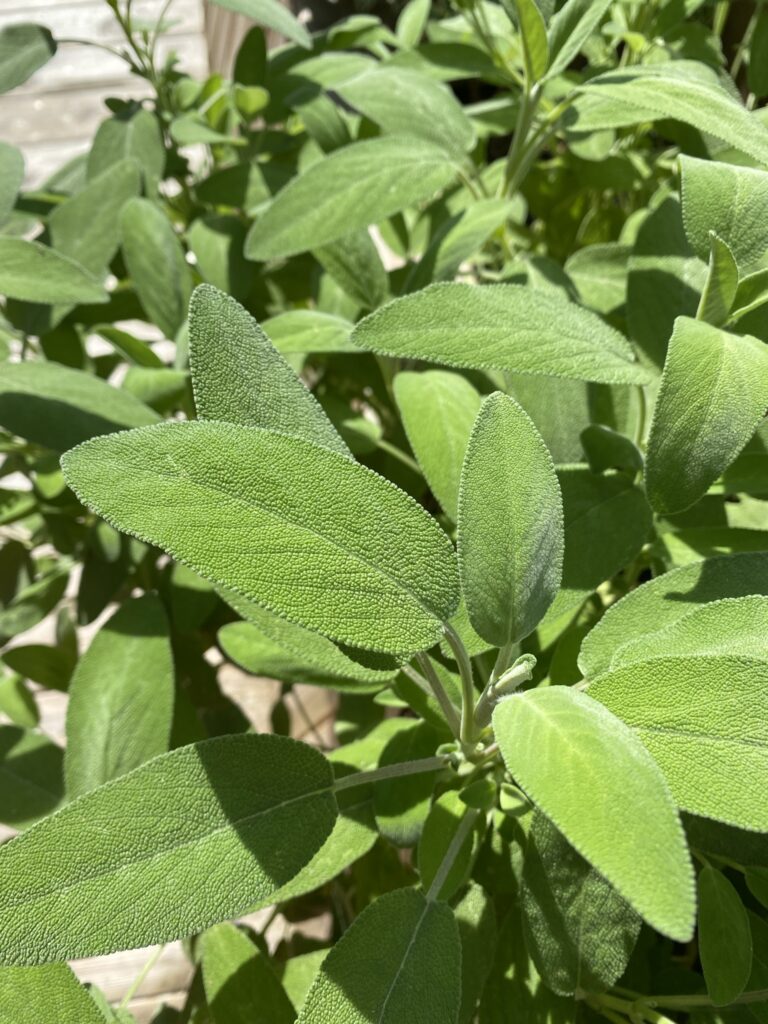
49	993
240	984
33	272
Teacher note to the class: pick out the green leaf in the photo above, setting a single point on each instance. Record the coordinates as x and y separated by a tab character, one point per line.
114	728
730	201
24	49
132	134
50	993
438	410
358	185
298	974
402	805
510	525
477	928
155	261
705	720
17	703
405	102
51	667
31	776
445	816
299	331
592	777
271	14
33	272
57	407
570	28
240	985
535	44
725	939
11	178
412	21
416	948
721	285
608	449
217	241
713	395
321	540
239	377
683	90
757	72
354	263
191	838
134	349
503	327
580	932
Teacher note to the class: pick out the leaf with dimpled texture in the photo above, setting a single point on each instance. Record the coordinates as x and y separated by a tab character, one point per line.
33	995
240	985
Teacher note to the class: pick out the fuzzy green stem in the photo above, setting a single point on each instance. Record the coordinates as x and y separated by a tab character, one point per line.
454	847
468	695
442	698
390	771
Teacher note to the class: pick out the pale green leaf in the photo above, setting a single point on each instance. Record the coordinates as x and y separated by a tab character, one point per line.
132	134
402	805
321	540
412	21
23	50
570	28
705	720
725	939
217	241
298	974
239	377
34	995
134	349
721	285
438	411
503	327
121	697
17	703
191	838
596	782
415	946
240	984
35	273
58	407
11	177
476	919
301	331
156	264
510	524
31	776
358	185
271	14
713	395
535	44
600	275
354	263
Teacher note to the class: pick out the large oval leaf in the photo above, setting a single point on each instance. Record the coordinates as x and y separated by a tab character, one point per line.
23	49
303	531
241	986
32	272
503	327
191	838
593	778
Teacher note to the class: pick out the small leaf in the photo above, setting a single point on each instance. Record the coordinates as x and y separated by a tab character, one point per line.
24	49
705	720
416	948
50	993
354	263
32	272
319	539
358	185
500	327
240	985
594	779
725	940
533	32
239	377
721	285
411	22
569	30
713	395
193	837
271	14
132	134
510	525
11	178
114	728
31	772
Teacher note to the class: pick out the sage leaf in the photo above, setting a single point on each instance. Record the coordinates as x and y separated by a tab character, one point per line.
713	395
358	560
353	187
533	34
120	698
239	377
11	178
271	14
355	264
24	49
721	285
58	407
190	838
569	30
403	805
440	828
31	771
594	780
477	928
415	945
300	331
704	720
579	929
35	273
500	327
131	134
438	409
725	938
49	993
510	524
240	985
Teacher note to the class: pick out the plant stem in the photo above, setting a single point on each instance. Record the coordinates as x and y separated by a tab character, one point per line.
468	695
390	771
759	995
141	977
396	453
442	698
454	847
517	151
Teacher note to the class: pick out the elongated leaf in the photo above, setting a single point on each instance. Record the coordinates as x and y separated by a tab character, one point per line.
729	200
510	536
416	948
714	392
594	779
34	273
271	14
121	697
405	102
705	720
23	50
721	285
240	985
239	377
29	995
438	410
402	805
155	261
477	927
31	772
321	540
535	44
580	931
193	837
570	28
57	407
11	177
355	186
500	327
725	939
309	330
445	816
412	21
354	263
130	134
682	90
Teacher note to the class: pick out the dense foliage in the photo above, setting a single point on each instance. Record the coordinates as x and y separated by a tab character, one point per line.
426	364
